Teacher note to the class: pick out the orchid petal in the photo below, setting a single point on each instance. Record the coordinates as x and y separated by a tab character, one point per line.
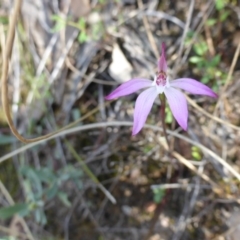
129	87
162	63
142	108
178	106
193	86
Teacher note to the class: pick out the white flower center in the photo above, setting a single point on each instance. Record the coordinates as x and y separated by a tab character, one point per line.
161	81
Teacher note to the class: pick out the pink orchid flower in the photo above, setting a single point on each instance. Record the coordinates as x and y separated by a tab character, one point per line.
161	84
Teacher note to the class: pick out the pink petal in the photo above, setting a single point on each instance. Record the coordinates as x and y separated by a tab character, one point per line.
142	108
193	86
129	87
162	63
178	106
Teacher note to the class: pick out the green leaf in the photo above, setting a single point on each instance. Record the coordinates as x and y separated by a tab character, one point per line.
215	61
30	196
195	59
82	23
97	30
40	216
82	37
219	4
5	139
60	23
205	79
218	73
224	16
34	180
211	21
57	18
69	172
19	208
8	238
147	148
200	48
196	153
4	20
215	88
52	191
159	193
46	175
64	198
58	27
196	156
76	114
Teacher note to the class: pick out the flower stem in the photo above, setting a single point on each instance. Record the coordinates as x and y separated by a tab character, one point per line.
162	114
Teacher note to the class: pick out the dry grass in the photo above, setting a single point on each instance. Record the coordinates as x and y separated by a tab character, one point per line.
61	70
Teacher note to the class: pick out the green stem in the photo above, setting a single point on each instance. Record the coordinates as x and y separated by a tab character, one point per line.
162	114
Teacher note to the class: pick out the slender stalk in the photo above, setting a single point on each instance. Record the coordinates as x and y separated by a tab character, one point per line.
162	115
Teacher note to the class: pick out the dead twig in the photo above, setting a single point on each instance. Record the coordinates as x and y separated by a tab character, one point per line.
129	124
189	17
228	81
148	30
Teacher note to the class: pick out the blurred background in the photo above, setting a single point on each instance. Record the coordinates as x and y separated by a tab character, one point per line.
95	181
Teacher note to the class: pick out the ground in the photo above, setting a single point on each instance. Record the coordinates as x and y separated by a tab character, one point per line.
93	179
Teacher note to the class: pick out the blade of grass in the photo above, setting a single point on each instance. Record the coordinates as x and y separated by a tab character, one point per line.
228	81
89	172
128	124
11	202
148	31
211	116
